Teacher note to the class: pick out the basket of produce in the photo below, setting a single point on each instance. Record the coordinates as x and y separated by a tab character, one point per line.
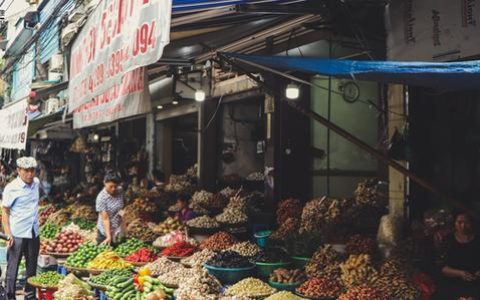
262	237
320	288
179	250
265	269
270	259
97	286
48	280
299	261
129	246
65	243
287	280
229	267
108	277
141	257
251	288
80	258
107	260
198	258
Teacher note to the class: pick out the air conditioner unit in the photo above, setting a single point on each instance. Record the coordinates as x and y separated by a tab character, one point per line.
56	63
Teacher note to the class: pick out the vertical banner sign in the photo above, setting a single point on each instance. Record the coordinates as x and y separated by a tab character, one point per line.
14	126
433	30
119	37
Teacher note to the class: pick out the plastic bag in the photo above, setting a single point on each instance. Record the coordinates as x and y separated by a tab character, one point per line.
389	231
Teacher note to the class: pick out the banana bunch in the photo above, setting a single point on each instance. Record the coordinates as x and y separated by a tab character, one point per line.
108	260
358	270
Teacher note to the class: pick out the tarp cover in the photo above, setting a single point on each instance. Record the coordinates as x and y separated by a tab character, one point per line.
449	75
192	5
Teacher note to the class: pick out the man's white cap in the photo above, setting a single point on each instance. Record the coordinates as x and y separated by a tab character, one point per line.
26	162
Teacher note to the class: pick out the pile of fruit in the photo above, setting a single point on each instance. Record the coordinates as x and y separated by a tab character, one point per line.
142	255
219	241
138	287
84	254
320	287
369	192
140	230
47	279
143	205
108	260
82	211
288	208
179	249
44	213
358	244
108	277
283	275
358	270
167	226
322	258
321	212
130	246
60	217
48	231
290	226
65	242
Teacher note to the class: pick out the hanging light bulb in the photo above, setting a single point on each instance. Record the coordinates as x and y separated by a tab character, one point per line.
199	95
174	102
292	91
160	107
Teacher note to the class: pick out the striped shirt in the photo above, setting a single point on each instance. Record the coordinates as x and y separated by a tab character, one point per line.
112	205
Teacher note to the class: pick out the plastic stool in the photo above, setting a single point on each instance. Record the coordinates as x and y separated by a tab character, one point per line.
45	294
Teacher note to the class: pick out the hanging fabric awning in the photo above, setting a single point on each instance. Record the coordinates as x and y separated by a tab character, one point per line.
181	6
449	75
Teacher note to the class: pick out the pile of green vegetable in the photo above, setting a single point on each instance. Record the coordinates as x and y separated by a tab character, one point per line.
49	231
84	224
48	279
130	246
109	277
84	254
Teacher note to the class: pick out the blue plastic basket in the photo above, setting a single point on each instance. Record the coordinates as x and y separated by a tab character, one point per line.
230	275
262	237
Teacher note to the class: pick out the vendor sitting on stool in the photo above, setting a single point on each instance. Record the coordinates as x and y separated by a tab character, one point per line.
462	261
184	213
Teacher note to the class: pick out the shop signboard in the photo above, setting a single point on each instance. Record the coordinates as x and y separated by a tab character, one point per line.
129	98
14	125
119	37
433	30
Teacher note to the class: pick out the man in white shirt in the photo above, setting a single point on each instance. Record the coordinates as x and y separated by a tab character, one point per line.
21	224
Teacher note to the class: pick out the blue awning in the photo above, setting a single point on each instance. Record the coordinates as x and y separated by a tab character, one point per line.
194	5
448	75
